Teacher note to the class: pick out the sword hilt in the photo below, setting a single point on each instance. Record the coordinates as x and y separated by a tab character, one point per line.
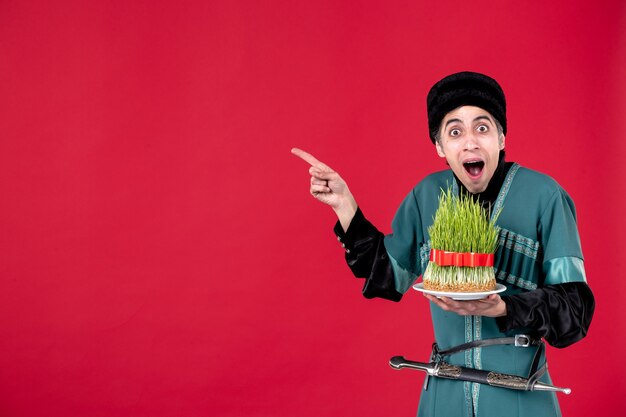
399	362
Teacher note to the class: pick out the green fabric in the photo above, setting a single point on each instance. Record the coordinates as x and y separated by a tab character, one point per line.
538	245
403	278
564	269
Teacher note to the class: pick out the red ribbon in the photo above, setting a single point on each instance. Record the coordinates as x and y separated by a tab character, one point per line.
445	258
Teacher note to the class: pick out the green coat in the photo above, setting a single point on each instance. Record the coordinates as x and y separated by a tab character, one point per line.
538	245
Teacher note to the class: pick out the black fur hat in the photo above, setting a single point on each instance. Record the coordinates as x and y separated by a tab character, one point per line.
464	89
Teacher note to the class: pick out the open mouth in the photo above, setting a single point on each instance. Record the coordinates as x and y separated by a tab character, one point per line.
474	168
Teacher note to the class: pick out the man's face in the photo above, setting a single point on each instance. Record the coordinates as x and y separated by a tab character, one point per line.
469	142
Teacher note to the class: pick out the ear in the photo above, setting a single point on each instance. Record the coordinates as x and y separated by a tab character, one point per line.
502	142
440	150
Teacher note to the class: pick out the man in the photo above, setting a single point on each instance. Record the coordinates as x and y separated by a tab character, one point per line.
539	257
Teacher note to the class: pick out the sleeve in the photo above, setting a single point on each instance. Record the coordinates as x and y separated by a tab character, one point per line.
367	257
562	308
560	313
558	234
405	246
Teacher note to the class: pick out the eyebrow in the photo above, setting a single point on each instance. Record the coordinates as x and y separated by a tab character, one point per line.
482	117
452	121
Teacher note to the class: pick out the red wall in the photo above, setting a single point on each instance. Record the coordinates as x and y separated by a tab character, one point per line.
161	254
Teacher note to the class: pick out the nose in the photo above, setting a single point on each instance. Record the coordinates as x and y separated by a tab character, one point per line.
471	141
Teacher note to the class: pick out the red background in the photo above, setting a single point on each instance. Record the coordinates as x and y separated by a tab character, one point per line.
161	254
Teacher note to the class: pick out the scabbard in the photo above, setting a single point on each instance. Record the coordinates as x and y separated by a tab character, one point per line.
461	373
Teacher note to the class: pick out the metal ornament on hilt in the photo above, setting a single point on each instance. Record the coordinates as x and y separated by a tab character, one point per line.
445	370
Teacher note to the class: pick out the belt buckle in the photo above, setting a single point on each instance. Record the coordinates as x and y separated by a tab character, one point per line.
522	340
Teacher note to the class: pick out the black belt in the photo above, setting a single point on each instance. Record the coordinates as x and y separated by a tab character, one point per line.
519	340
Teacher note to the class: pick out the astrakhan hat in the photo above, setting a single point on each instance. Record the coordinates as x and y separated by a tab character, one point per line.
464	89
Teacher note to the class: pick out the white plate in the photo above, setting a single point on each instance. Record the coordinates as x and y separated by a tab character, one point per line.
460	295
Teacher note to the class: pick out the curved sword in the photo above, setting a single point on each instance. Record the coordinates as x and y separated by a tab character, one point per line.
461	373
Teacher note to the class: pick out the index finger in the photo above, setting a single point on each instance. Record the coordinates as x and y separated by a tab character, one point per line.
310	159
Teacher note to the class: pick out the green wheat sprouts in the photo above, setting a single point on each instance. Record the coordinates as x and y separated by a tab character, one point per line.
461	225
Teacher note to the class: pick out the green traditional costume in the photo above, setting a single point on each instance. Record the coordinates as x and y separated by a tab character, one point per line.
538	246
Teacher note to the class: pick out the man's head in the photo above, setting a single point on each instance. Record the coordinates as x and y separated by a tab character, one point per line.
464	89
467	123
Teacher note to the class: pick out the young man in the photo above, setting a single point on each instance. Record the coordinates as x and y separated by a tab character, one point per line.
539	257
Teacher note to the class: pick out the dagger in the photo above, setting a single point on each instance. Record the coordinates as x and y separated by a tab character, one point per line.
445	370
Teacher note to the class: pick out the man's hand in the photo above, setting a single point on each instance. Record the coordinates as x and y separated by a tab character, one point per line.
329	188
492	306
